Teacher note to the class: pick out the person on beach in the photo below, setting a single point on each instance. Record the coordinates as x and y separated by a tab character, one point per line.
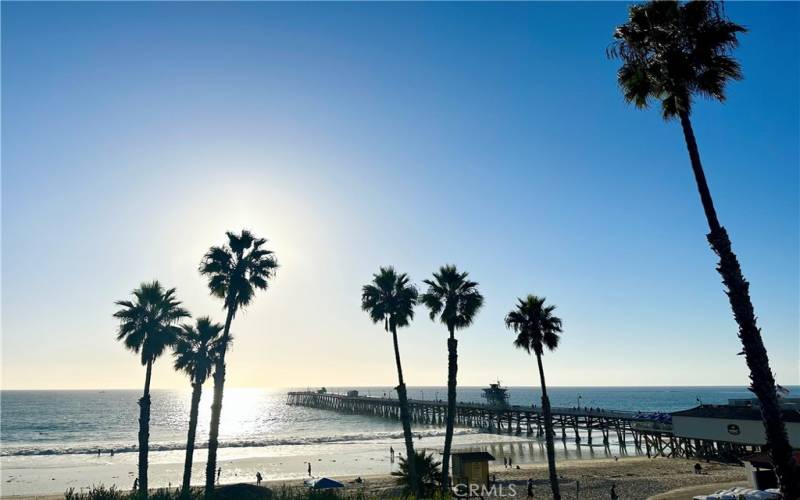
136	484
309	469
530	487
509	462
698	468
258	479
505	463
112	452
219	473
614	495
391	454
98	452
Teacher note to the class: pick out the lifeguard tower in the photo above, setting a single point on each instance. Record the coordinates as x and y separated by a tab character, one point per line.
496	395
471	467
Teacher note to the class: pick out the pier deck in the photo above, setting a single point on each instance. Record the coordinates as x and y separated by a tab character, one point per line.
627	427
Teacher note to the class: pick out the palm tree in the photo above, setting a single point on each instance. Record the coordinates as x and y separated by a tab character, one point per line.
456	301
537	328
147	327
390	299
195	352
670	53
234	271
427	469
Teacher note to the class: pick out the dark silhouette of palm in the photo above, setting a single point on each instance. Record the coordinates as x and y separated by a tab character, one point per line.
670	53
427	469
456	301
390	299
196	352
537	329
147	327
234	271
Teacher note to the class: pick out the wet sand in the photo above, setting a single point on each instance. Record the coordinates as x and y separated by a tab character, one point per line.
53	474
636	478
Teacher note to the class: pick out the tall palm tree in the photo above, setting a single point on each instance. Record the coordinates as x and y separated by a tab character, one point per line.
670	53
196	352
390	299
234	271
537	329
147	327
456	300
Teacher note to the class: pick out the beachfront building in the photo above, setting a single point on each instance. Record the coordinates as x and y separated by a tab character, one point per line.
737	422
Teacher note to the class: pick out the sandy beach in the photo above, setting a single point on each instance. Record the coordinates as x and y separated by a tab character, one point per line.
636	478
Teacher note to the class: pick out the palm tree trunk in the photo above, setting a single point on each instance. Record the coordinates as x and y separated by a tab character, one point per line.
213	435
405	419
452	371
548	433
216	409
197	389
738	290
144	430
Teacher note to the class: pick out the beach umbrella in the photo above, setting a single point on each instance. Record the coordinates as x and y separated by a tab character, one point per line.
324	483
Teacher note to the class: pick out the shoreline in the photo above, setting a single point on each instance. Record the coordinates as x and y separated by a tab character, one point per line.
54	474
634	477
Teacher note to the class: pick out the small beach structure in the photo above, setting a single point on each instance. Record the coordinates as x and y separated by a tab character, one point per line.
471	467
323	483
760	472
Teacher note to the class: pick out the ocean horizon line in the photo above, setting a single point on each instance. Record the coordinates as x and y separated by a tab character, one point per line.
354	386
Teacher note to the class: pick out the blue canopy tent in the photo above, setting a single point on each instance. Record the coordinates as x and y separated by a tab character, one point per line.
324	483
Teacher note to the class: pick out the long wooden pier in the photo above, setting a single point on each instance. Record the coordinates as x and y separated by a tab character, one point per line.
629	428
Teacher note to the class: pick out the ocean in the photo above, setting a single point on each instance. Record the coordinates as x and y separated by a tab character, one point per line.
49	440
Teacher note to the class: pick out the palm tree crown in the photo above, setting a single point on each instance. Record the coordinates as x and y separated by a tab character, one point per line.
237	269
535	324
147	324
452	297
426	466
672	51
198	348
390	298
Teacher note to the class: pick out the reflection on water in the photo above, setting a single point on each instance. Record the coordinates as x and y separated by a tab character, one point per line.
66	422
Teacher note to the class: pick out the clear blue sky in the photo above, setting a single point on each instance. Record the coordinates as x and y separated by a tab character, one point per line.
491	136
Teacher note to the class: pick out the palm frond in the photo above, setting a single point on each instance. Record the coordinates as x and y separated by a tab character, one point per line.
451	297
536	325
238	268
196	349
426	467
390	298
671	51
147	323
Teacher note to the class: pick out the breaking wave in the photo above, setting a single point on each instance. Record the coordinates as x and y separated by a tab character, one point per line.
254	443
